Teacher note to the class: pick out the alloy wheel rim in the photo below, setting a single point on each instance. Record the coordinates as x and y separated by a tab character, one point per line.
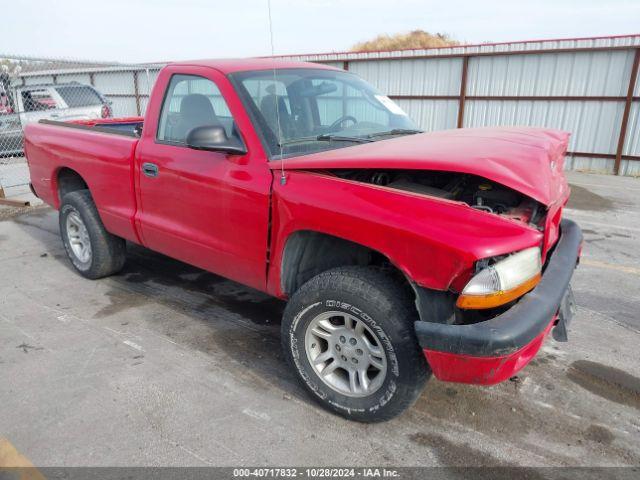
78	236
345	354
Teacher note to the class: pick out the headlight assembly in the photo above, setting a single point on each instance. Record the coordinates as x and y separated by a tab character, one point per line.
504	281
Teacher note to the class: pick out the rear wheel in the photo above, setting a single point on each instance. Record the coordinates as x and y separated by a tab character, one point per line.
94	252
349	334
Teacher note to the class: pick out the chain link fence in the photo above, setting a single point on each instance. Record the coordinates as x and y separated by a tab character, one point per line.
32	89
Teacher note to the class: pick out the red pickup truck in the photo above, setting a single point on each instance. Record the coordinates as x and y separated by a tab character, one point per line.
402	254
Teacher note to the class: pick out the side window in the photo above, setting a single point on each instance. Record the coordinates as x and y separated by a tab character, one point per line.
37	100
192	101
79	96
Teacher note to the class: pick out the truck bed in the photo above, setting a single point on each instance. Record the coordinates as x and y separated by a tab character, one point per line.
129	126
101	151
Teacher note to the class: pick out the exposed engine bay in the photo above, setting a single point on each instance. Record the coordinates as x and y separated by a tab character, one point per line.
477	192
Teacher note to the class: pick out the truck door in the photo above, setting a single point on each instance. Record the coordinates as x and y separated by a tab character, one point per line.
209	209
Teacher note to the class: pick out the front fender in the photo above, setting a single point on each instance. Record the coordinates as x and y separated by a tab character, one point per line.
434	242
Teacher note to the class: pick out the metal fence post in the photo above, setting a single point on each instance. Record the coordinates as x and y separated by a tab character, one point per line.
627	110
463	91
148	84
136	91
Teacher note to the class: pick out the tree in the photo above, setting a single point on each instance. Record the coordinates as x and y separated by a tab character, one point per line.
415	39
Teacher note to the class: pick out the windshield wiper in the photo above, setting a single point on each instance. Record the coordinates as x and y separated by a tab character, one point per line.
325	137
342	138
395	131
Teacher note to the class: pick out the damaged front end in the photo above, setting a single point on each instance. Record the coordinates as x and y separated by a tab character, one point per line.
473	218
490	351
492	328
477	192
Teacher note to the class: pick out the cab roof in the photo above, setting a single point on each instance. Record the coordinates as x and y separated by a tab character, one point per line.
232	65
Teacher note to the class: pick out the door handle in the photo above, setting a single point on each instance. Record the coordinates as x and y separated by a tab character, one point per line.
150	169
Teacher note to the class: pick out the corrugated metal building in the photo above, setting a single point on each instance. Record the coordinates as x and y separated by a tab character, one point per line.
587	86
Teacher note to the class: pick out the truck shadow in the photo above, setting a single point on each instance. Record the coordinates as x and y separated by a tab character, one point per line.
230	319
145	267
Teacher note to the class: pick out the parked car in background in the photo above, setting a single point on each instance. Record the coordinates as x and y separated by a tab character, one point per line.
10	135
65	101
5	105
10	130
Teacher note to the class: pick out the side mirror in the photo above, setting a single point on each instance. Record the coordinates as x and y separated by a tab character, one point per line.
213	138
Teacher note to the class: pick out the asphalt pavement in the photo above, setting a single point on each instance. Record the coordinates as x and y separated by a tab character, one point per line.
167	365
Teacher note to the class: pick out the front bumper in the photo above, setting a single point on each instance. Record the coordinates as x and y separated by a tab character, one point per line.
492	351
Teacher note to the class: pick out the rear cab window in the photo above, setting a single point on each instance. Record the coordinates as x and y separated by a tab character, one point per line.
79	96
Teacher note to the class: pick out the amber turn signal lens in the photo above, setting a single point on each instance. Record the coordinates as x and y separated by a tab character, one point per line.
492	300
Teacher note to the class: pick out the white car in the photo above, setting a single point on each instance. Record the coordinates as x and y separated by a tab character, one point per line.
65	101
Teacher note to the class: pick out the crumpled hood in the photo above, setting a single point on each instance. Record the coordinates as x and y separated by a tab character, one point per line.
529	160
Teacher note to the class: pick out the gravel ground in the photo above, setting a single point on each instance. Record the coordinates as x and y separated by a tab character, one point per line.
165	364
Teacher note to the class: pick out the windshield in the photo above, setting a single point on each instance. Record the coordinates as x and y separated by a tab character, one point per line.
301	111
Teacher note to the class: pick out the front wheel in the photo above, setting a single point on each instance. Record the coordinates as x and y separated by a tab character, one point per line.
349	334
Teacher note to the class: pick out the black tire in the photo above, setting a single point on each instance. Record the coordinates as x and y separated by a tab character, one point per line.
108	252
382	305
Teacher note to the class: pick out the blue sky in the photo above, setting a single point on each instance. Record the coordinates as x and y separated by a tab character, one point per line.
158	30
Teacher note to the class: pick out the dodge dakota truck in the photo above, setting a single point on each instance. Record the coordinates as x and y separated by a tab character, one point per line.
401	254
